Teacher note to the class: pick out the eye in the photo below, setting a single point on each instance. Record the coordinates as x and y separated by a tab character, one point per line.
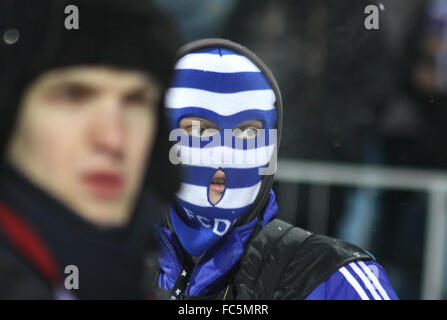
196	131
73	93
201	132
197	127
248	130
141	98
138	99
248	133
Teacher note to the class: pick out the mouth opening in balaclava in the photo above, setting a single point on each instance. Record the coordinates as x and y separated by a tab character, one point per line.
216	187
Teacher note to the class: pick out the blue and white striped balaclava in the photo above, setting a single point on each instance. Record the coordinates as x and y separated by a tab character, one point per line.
226	87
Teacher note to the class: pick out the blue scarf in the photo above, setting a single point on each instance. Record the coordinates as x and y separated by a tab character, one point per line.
210	274
227	88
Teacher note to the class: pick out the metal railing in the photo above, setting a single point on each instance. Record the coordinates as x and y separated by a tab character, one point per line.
432	182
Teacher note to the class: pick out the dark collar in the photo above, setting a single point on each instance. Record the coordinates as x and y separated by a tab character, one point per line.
110	261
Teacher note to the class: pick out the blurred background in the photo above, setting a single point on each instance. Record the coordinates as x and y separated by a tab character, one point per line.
362	154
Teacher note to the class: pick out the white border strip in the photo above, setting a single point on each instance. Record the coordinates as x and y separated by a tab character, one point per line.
232	199
224	104
227	63
225	157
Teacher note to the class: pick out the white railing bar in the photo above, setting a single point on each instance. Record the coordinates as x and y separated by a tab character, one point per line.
430	181
358	175
434	246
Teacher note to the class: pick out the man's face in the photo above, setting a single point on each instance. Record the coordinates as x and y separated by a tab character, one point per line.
84	135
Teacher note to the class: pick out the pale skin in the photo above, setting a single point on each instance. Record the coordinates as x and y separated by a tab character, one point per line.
200	127
84	135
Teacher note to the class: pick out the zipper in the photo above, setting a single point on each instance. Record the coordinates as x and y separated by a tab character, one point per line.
171	250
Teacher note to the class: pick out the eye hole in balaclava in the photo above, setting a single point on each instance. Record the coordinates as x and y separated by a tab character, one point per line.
233	137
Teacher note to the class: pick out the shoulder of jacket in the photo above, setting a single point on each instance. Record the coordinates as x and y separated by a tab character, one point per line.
359	280
313	262
281	235
18	280
290	262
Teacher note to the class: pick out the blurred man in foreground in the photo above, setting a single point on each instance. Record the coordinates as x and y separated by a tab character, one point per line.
84	146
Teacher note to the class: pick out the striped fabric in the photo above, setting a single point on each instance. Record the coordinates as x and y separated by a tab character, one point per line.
359	280
224	87
365	280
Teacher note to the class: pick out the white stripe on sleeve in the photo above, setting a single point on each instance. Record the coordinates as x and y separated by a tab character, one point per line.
357	287
365	280
374	280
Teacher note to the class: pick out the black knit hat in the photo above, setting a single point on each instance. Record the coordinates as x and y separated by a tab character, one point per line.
128	34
